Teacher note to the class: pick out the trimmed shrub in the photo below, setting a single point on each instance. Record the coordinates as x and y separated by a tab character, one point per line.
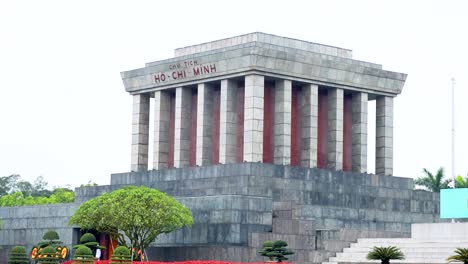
89	240
50	238
48	255
87	237
121	255
83	254
51	235
18	256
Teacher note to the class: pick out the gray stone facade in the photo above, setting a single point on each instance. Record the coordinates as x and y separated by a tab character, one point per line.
254	60
237	206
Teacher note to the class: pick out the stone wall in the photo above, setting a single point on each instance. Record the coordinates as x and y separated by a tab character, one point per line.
25	225
237	206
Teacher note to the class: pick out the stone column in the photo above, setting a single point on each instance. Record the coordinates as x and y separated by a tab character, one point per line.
282	126
228	122
162	105
140	132
253	118
384	136
359	132
335	129
204	123
182	127
309	105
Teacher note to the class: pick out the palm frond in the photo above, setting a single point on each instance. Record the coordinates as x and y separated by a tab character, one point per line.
461	254
385	253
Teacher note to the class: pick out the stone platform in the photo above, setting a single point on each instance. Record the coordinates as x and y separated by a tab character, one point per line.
238	206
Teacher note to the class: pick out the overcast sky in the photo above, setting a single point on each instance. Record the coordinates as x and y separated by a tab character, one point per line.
64	113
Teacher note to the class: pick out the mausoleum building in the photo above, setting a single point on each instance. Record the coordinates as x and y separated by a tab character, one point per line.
262	137
262	98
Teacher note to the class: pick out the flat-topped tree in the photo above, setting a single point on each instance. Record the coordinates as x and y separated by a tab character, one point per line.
276	251
139	213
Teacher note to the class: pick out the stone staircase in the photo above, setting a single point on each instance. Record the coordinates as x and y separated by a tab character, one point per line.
300	234
422	248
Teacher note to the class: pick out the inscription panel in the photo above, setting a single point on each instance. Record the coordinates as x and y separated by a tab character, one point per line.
184	70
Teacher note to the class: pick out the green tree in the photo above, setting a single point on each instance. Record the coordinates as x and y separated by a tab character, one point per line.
461	182
385	254
8	183
433	183
139	213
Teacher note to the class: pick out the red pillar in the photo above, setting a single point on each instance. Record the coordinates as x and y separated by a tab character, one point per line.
322	129
104	241
170	158
296	121
193	130
268	122
215	126
240	123
347	132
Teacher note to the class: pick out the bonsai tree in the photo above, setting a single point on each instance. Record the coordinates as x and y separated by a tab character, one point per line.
83	254
276	251
18	256
48	255
50	239
89	240
461	254
385	254
121	255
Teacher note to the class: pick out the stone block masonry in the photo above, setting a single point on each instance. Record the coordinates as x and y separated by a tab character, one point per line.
253	118
140	132
256	83
238	205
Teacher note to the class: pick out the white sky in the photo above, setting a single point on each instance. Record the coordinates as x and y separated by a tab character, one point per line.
64	113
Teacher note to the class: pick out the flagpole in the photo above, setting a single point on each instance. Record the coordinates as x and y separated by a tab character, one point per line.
453	131
453	135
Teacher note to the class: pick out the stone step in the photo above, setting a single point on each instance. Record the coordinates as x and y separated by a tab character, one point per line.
392	261
413	244
333	245
318	256
408	255
406	250
408	240
407	260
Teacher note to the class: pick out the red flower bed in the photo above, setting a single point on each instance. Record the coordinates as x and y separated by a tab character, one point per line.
181	262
